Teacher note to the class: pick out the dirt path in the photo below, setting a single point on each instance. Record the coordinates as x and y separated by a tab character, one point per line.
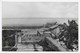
29	47
22	47
54	42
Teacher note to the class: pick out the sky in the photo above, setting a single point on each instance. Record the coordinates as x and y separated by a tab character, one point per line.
16	13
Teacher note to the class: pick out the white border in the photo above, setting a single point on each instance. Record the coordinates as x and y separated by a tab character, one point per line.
0	25
41	0
33	1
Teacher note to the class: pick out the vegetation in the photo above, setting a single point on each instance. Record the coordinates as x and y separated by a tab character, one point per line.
69	34
8	40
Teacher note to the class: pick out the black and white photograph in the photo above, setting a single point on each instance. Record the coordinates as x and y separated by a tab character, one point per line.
40	26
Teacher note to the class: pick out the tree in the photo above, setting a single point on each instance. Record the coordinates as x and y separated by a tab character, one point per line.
70	33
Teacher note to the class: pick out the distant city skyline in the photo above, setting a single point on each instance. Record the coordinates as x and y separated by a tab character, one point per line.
34	21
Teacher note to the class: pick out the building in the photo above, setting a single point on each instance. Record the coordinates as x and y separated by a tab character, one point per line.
31	36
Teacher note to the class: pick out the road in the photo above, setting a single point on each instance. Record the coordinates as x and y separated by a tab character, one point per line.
29	47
